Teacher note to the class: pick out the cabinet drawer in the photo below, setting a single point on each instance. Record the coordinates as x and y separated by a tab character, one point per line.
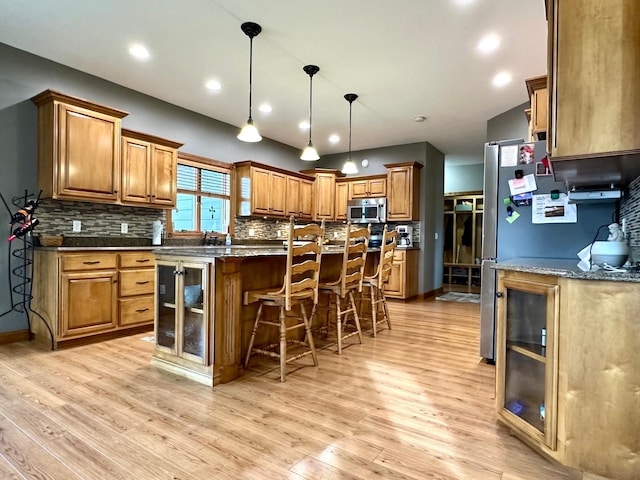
136	282
136	260
136	310
88	261
399	256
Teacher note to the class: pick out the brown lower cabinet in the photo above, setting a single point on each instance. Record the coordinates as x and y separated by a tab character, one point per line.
403	282
89	293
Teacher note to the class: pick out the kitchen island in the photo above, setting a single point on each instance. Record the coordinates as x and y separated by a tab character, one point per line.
205	336
568	368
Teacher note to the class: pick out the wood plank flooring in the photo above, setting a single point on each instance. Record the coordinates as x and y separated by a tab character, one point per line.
414	403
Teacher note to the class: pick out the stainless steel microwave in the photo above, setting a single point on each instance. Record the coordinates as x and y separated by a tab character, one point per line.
367	210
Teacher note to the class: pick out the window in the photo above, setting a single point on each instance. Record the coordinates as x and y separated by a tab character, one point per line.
203	198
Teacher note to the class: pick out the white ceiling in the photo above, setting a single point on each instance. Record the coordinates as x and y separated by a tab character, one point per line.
403	58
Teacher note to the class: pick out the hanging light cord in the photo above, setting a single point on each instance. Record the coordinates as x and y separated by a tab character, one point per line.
250	72
350	109
310	103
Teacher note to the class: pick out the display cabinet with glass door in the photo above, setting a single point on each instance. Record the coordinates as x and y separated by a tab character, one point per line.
182	312
527	356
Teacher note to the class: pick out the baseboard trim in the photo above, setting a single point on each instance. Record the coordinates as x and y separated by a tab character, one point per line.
432	293
15	336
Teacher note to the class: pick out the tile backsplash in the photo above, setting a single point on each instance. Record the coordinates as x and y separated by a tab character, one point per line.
98	220
630	210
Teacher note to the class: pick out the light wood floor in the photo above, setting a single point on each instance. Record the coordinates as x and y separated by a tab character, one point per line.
414	403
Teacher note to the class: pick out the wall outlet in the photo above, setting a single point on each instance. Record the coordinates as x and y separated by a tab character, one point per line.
77	226
335	234
435	236
279	233
252	232
124	228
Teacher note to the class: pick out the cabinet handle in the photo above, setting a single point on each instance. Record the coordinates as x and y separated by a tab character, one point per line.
140	310
178	272
115	191
153	196
142	283
94	262
499	294
142	260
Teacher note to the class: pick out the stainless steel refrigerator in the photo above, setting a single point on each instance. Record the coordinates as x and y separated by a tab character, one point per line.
502	240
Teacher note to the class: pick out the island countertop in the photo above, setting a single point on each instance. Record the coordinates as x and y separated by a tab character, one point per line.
567	268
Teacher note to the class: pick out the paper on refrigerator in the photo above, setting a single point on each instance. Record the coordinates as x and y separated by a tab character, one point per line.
546	210
522	185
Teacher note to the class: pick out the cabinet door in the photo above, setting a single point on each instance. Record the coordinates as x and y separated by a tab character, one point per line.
325	196
293	196
342	196
359	189
136	156
402	194
278	194
539	101
88	155
306	199
194	322
88	302
526	357
594	77
395	286
166	317
163	176
260	186
378	187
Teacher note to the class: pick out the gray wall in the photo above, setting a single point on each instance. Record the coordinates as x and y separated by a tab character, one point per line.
23	75
431	197
509	125
463	178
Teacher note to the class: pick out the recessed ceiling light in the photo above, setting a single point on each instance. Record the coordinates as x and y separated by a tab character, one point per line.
213	85
419	118
139	51
265	108
304	125
334	138
502	79
464	3
489	44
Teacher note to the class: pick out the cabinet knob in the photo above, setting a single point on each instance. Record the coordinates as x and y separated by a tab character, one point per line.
499	294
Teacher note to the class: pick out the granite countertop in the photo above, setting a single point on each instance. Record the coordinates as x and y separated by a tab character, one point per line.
564	268
241	251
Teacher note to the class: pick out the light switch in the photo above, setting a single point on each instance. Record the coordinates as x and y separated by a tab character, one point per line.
252	232
77	226
124	228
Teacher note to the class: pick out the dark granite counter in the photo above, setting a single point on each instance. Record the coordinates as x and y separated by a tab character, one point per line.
565	268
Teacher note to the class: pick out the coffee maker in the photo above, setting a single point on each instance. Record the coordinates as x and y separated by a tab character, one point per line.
404	236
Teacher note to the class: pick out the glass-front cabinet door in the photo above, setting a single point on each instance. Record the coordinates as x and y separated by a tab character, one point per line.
182	321
527	358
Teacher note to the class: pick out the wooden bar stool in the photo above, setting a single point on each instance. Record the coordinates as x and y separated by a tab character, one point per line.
300	283
351	275
378	280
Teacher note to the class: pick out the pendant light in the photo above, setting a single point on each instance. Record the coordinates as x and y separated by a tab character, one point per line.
249	132
350	166
310	154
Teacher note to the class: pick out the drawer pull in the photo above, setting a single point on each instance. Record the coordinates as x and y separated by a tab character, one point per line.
140	310
142	260
92	263
142	283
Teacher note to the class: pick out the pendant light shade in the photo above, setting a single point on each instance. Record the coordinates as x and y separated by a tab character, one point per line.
350	166
310	153
249	132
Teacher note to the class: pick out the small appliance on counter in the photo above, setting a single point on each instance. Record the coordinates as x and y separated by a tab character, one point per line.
156	238
375	241
405	232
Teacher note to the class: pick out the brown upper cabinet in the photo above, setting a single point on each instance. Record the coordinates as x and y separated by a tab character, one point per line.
324	192
403	191
594	90
270	191
537	89
78	148
149	169
342	197
368	187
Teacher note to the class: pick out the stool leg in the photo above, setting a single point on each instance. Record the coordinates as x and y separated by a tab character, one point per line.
307	326
374	309
355	316
339	323
283	345
385	309
253	336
